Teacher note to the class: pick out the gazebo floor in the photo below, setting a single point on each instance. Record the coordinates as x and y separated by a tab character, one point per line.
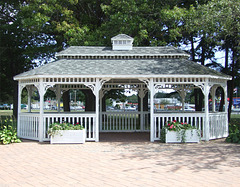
124	137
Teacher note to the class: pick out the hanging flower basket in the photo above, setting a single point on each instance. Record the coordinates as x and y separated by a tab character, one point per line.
66	133
179	132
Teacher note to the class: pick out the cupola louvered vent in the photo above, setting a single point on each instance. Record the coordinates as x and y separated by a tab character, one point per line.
122	42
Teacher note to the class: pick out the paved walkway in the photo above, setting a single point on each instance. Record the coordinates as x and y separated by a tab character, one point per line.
120	163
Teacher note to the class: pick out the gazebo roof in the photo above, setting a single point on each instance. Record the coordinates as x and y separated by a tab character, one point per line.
122	68
90	51
122	61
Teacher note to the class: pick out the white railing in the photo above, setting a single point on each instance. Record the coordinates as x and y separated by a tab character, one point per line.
88	120
218	125
124	121
195	119
28	126
28	123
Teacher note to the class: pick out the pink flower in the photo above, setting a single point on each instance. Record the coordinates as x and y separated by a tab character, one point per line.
171	126
174	121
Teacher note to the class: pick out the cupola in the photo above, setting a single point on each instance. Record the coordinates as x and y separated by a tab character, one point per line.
122	42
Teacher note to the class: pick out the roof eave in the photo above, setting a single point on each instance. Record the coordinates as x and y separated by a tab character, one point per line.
17	78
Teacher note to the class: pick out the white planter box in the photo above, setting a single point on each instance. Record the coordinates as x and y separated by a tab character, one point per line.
191	136
69	136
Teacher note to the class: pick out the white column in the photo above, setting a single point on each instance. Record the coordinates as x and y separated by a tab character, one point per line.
141	120
141	96
206	98
213	93
100	113
151	86
225	98
182	94
58	94
19	107
41	121
96	90
29	89
226	108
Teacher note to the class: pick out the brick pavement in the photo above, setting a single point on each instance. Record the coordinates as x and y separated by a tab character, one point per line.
121	163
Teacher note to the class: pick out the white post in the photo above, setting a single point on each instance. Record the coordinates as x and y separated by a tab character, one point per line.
225	98
41	122
97	88
101	97
213	93
141	120
226	107
141	95
151	86
19	107
182	94
206	93
58	94
29	89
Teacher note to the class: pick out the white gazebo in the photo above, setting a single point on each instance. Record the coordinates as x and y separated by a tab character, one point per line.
96	70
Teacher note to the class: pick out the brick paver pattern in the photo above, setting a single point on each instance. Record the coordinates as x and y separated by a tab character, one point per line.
30	163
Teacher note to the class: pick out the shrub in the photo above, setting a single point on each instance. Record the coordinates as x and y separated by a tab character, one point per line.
234	133
8	132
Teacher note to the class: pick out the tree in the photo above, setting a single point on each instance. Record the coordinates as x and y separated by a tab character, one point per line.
14	40
221	17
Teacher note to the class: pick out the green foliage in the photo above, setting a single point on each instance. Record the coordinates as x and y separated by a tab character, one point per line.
54	128
132	99
8	121
234	133
109	102
8	133
116	95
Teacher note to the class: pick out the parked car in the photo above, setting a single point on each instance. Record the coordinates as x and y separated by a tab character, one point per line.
4	107
23	106
189	109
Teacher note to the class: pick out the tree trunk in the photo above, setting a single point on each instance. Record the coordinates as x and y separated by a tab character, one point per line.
89	100
203	50
192	49
66	101
145	102
231	85
104	103
198	96
226	59
15	99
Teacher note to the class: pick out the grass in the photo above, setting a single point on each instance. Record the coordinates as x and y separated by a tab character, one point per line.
235	116
6	112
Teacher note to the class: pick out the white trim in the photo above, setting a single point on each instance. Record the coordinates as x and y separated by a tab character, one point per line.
121	76
123	55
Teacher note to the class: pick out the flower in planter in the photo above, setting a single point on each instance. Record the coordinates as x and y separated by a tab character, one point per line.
54	128
179	127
